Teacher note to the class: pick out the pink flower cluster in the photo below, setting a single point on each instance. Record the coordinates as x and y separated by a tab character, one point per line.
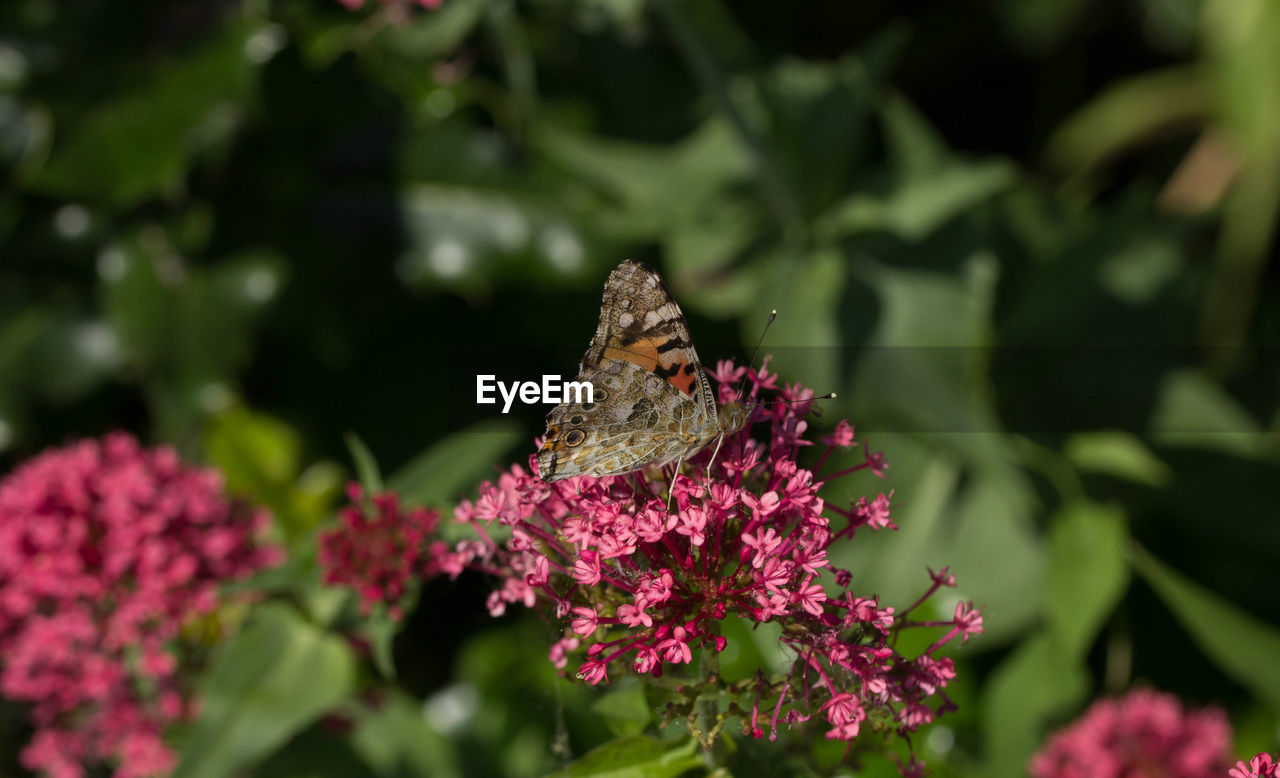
106	550
377	549
1143	733
1261	766
643	589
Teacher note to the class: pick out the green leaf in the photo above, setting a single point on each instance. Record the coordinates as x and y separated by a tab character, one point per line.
270	681
1119	454
1038	681
381	631
1244	647
624	708
805	338
1088	572
138	144
430	36
916	208
651	188
914	147
633	757
455	464
994	509
367	472
1192	410
395	738
255	452
1126	114
259	455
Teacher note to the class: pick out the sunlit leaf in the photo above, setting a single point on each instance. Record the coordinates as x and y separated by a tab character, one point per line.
1088	572
633	757
1119	454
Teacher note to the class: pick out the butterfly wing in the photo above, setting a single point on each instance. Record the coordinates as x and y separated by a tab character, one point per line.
641	323
653	402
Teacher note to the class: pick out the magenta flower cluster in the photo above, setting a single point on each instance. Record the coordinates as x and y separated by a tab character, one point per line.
1143	733
378	549
1260	766
644	589
106	550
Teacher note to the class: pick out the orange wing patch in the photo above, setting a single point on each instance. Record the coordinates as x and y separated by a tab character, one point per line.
661	356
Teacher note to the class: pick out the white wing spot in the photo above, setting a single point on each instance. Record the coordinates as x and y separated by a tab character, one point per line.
625	320
651	318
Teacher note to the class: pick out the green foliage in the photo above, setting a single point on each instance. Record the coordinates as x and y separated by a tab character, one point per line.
254	229
277	675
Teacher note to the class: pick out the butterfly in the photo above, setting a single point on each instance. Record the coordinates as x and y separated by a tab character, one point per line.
652	403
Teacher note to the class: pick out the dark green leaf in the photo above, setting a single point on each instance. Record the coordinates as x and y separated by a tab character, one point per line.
1039	680
367	472
270	681
624	708
456	464
1244	647
137	144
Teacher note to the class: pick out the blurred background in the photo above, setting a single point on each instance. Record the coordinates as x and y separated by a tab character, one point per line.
1030	243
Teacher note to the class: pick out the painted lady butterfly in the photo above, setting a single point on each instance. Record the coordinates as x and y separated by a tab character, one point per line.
652	402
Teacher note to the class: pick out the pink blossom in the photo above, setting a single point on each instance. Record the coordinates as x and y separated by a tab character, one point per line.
1145	732
585	623
106	550
1260	766
748	537
593	671
377	548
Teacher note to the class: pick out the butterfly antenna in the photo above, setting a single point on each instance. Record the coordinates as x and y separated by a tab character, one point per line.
741	392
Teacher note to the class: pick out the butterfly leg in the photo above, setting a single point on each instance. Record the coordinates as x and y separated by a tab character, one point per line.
671	487
715	453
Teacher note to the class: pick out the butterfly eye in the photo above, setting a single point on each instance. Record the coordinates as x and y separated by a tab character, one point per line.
578	420
588	406
599	395
574	438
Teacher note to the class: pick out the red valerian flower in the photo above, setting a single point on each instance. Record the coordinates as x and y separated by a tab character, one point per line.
748	537
1143	733
106	550
1261	766
377	549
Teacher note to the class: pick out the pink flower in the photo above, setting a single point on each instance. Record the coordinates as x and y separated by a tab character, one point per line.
593	671
1261	766
377	548
1143	733
106	550
748	537
585	623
